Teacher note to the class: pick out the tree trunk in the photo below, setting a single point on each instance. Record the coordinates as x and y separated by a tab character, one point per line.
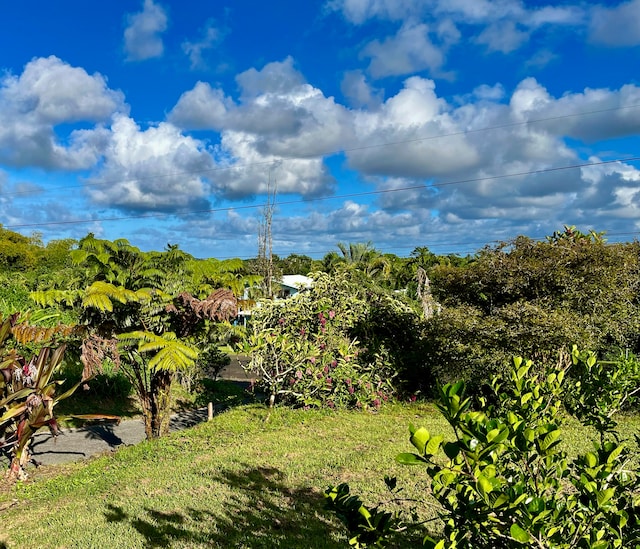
159	413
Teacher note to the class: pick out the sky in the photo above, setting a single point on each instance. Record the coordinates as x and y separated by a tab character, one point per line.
450	124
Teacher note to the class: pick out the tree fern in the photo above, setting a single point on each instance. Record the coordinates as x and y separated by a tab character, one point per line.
169	352
50	298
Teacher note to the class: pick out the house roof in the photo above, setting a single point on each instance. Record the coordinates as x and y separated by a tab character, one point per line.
299	282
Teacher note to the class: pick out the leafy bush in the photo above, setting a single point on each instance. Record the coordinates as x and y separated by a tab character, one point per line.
533	299
28	396
338	344
505	482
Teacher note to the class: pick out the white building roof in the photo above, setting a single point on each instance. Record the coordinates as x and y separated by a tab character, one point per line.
300	282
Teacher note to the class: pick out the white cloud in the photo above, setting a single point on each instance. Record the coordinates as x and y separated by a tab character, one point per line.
359	11
502	26
249	170
283	127
505	36
203	107
278	77
280	119
158	169
358	91
591	115
142	37
398	139
541	59
469	170
409	51
196	50
617	26
47	94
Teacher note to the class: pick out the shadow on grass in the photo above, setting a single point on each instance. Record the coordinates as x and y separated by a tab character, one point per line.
261	512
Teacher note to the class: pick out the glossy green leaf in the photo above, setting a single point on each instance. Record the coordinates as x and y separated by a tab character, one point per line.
519	534
419	439
406	458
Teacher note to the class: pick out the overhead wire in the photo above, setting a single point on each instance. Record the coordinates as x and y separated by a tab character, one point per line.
327	153
434	185
321	198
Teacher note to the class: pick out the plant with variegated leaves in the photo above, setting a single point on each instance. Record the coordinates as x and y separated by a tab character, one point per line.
28	397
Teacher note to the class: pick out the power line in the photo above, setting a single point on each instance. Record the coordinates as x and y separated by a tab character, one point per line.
328	152
323	198
431	247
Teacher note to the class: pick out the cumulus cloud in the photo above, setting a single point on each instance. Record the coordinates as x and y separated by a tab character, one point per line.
211	37
47	94
248	171
142	37
279	119
483	159
157	169
358	91
430	28
203	107
409	51
281	129
617	26
278	77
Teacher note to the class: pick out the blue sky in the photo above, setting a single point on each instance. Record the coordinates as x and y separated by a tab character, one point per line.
442	123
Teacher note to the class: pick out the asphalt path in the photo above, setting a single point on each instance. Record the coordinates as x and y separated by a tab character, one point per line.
78	444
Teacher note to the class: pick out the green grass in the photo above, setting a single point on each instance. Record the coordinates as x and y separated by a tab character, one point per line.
231	482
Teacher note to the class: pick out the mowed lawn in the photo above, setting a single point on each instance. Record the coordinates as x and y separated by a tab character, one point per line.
231	482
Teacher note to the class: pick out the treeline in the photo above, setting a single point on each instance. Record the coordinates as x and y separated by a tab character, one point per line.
522	297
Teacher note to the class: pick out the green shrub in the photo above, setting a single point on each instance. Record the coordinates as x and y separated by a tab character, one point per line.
534	299
503	480
339	344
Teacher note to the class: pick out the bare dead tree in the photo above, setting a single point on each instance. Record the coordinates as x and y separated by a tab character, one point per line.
424	293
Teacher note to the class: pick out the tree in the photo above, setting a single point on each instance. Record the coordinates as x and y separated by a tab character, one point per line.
503	479
296	264
342	343
28	388
265	263
534	299
135	298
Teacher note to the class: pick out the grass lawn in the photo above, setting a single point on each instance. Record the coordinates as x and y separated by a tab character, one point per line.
231	482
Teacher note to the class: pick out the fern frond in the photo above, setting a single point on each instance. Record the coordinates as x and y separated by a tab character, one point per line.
171	353
49	298
102	294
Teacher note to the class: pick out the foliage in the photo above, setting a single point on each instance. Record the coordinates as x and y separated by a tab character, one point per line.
139	299
17	252
603	389
368	527
534	299
505	482
339	344
28	397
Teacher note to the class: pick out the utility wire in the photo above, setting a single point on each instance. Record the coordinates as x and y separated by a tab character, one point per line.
326	153
431	247
322	198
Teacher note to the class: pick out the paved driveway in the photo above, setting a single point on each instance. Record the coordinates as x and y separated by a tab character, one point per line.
76	444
